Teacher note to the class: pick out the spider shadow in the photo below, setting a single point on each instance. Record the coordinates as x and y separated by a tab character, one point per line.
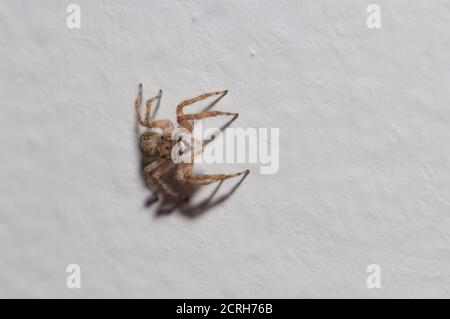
168	204
190	210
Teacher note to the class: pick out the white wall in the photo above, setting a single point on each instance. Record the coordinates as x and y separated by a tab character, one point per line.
364	148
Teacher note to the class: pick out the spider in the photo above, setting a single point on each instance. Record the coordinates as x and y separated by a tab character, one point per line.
160	145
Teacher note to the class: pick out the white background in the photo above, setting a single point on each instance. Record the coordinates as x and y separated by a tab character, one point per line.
364	148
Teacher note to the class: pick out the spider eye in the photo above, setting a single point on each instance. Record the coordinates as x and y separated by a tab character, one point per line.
180	152
180	138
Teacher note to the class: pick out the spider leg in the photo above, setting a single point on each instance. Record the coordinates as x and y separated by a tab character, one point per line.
184	174
147	121
185	103
137	106
213	177
157	170
148	105
168	190
201	182
149	170
202	115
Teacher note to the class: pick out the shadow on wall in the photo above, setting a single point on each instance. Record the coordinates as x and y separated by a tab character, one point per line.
169	204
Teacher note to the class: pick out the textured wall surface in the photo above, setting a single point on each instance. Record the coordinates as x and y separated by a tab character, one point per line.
364	175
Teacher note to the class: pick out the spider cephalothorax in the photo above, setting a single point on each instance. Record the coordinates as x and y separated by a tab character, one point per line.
154	143
161	145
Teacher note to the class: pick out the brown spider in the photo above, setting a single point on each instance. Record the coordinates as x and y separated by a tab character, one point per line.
160	144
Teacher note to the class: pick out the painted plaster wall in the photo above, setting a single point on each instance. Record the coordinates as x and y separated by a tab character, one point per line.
364	175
